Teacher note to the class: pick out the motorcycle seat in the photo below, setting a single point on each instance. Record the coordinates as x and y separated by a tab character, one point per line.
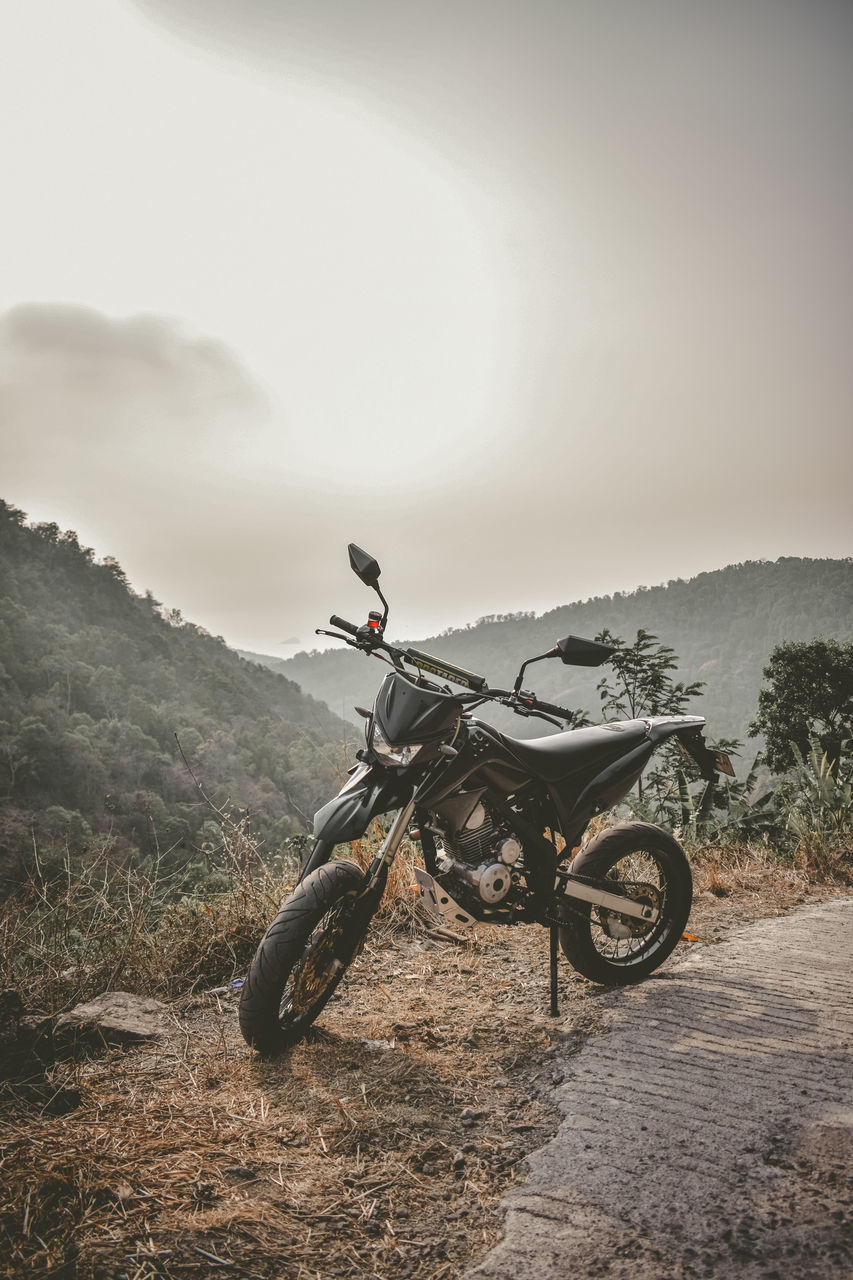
561	754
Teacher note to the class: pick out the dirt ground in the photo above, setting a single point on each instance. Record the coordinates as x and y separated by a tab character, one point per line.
379	1148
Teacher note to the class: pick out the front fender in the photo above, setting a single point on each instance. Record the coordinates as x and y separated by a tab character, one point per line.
369	792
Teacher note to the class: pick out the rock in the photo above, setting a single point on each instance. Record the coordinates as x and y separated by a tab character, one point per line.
114	1018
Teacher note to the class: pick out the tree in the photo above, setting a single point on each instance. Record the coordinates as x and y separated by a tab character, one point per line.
644	687
810	695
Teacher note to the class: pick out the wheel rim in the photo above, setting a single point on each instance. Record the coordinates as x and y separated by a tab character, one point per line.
621	939
319	969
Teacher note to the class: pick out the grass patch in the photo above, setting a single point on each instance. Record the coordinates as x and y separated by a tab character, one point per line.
379	1146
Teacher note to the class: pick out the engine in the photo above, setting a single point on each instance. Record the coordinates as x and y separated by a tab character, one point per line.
479	860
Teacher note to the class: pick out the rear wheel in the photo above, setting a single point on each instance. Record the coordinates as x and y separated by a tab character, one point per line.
647	865
302	957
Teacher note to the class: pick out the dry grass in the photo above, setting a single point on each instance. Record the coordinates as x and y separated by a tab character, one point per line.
345	1157
103	928
378	1148
825	860
93	925
735	884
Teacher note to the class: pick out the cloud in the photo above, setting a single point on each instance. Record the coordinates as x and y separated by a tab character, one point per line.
74	377
99	413
672	189
134	431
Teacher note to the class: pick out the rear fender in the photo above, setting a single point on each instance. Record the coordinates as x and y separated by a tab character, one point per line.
688	730
661	727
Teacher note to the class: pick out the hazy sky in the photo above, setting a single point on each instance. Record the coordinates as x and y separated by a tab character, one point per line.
535	300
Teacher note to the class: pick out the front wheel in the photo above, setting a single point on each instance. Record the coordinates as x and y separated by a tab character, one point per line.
302	957
649	866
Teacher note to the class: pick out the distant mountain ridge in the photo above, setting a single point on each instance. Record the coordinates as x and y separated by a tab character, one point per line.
722	624
96	681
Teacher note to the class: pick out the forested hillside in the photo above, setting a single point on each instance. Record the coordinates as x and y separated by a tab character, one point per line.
722	625
95	681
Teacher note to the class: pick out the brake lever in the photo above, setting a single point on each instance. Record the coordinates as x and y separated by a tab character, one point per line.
521	710
337	635
370	649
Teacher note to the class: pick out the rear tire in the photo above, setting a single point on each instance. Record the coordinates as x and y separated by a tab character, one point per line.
651	865
302	958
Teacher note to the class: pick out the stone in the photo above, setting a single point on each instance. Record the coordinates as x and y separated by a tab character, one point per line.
113	1018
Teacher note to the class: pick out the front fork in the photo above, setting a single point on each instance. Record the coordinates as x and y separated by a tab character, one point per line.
323	849
379	866
373	886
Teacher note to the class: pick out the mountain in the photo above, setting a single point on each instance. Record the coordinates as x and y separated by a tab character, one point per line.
722	625
96	681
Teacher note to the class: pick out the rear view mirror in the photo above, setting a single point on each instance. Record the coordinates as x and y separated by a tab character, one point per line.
575	652
363	565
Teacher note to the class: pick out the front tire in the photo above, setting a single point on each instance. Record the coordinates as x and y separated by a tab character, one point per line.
649	865
302	958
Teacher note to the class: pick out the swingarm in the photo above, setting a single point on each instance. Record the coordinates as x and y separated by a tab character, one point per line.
638	908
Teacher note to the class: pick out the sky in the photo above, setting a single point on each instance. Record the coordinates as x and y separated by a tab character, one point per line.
535	301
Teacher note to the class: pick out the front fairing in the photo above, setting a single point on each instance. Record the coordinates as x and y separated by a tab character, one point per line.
410	711
368	792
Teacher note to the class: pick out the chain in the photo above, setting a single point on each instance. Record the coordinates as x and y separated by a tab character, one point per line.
582	914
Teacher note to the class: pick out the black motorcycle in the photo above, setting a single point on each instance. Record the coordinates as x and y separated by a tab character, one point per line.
497	819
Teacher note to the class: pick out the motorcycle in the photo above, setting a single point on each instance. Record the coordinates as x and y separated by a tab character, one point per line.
498	820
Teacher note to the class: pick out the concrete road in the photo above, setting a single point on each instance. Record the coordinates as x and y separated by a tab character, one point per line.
709	1130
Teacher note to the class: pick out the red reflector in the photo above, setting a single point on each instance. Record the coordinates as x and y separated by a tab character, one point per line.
374	625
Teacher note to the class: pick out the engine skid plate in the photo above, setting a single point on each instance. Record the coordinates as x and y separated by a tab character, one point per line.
438	901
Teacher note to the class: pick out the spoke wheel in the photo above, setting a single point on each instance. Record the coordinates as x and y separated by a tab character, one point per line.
318	971
648	866
302	957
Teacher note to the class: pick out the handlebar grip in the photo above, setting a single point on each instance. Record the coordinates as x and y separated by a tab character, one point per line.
343	625
552	709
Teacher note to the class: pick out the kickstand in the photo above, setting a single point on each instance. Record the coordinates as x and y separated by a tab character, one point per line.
555	940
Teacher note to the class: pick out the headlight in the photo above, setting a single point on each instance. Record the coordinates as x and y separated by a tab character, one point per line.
389	754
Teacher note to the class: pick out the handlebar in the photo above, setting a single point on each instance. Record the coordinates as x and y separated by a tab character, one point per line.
343	625
524	704
551	708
